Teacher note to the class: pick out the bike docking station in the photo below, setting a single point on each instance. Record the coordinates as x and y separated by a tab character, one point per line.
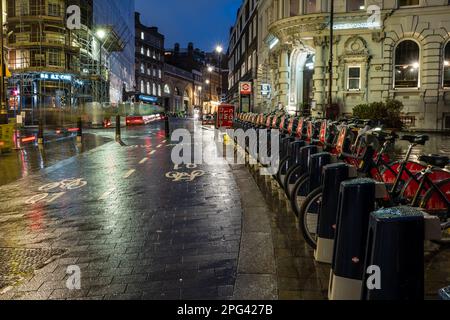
356	202
396	247
389	242
333	176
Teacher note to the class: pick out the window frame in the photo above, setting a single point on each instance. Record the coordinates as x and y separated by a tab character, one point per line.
352	78
359	10
419	83
408	6
444	67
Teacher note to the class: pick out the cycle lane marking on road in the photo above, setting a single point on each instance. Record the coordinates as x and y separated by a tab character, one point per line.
106	194
52	191
129	173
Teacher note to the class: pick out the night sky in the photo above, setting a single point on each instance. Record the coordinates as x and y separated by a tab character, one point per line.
206	23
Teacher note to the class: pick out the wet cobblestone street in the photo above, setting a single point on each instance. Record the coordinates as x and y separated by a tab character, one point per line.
139	227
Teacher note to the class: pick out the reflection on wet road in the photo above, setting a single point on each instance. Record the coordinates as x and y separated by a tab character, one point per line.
133	231
32	158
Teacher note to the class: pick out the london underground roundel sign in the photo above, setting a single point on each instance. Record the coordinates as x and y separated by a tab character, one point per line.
246	88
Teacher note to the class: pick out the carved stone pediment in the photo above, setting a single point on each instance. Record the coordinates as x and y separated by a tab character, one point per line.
356	46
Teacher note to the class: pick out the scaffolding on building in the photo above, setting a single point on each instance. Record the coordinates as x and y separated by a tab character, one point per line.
56	72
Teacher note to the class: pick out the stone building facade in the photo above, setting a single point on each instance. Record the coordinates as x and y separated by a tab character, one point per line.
149	61
181	89
391	49
242	54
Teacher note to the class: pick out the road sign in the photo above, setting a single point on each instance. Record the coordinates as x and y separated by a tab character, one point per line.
245	88
225	116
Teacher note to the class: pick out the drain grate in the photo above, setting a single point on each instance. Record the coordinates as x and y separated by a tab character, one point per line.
17	264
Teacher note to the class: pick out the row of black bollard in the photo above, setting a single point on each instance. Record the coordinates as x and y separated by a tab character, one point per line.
374	254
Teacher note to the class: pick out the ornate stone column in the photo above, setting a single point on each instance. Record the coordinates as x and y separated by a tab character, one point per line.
319	74
283	76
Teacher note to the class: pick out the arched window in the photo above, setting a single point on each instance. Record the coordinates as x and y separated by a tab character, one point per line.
177	91
407	65
166	89
447	65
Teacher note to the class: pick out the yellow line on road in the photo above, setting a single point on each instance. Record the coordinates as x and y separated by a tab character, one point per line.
129	173
143	161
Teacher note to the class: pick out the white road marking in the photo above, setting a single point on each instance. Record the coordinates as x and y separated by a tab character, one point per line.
143	161
153	152
55	197
106	194
129	173
159	146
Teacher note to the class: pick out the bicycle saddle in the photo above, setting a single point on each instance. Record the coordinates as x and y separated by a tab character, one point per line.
417	139
385	136
435	160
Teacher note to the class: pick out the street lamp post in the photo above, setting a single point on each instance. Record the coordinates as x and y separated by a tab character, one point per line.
219	50
101	35
210	70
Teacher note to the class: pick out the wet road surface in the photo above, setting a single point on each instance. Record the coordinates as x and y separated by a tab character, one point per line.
31	158
137	227
131	228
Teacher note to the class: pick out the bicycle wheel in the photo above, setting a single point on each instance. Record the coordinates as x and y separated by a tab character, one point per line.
291	178
300	193
434	204
282	171
309	217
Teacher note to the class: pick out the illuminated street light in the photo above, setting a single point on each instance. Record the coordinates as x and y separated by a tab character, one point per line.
101	33
207	82
210	69
219	49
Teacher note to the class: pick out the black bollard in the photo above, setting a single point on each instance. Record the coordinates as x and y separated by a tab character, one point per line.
118	134
166	119
41	132
80	130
